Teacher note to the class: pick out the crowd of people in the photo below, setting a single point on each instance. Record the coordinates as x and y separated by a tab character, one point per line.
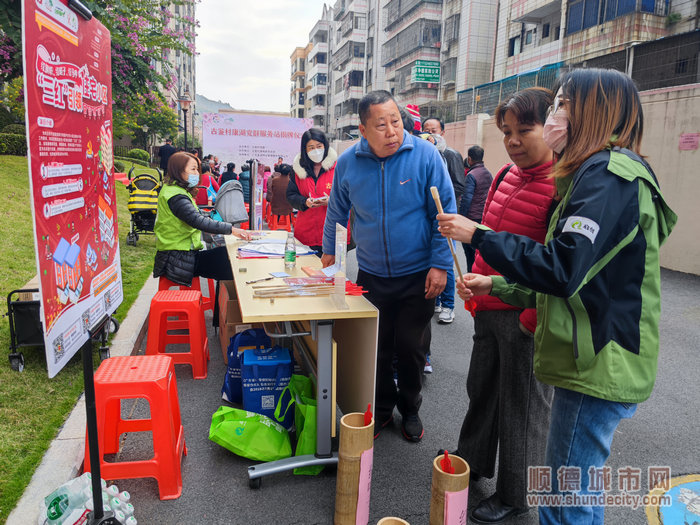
562	251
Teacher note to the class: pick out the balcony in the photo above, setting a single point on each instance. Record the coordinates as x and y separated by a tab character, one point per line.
317	90
339	10
319	47
320	30
317	111
346	121
353	92
315	70
537	10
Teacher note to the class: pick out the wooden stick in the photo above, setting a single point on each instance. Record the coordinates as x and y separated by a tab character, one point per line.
436	198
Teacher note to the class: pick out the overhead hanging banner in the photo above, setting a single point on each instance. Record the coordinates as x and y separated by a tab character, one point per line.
239	137
68	101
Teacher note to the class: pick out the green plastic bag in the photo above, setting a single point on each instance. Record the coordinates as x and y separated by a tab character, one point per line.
300	391
253	436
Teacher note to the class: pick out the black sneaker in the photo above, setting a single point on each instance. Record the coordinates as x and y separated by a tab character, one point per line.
412	428
379	426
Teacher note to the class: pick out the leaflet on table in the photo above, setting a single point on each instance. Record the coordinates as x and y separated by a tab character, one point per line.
271	247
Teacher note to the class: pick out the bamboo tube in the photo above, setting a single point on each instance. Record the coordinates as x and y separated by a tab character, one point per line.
392	521
438	204
355	438
443	482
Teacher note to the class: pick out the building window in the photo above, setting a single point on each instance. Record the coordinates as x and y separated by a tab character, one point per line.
681	66
358	50
514	46
557	30
360	22
545	30
528	37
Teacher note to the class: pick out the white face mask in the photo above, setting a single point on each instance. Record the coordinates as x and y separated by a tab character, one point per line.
192	180
316	155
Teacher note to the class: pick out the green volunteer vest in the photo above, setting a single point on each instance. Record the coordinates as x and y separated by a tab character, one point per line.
171	232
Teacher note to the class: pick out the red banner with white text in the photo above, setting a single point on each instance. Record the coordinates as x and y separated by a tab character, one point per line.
68	100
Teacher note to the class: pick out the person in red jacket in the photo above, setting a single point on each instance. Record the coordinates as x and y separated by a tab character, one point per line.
310	186
206	181
508	408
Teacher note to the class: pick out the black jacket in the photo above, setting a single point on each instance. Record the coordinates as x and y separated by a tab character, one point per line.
164	152
179	265
455	167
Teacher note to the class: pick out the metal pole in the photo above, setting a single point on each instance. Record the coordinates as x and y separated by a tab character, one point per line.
184	111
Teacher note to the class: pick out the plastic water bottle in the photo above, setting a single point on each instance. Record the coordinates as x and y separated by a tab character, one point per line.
131	521
290	252
113	491
63	501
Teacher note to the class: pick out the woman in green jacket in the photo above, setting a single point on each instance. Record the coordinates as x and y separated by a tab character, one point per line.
595	282
179	226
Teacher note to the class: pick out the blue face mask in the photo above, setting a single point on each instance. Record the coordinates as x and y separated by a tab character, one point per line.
192	180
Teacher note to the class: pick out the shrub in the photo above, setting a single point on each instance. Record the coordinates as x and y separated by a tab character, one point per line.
132	161
5	117
119	166
139	154
17	129
13	144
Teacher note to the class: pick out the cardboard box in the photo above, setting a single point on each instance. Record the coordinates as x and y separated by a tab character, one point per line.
228	330
229	311
230	322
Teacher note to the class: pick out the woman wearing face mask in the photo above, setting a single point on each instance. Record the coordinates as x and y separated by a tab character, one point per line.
180	256
595	280
508	408
310	186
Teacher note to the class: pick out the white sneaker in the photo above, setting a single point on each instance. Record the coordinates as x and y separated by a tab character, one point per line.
447	315
438	308
428	368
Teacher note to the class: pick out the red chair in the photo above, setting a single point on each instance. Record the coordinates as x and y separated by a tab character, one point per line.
207	302
187	306
281	222
152	378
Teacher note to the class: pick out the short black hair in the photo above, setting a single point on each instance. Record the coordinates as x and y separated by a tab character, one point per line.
230	166
168	141
205	167
442	124
284	169
476	153
372	99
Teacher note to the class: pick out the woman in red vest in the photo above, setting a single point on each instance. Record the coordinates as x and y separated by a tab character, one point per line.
310	186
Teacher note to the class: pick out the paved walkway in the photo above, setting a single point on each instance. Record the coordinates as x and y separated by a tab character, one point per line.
663	432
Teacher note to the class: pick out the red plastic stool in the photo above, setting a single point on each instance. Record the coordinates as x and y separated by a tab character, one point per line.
283	223
207	302
187	306
150	377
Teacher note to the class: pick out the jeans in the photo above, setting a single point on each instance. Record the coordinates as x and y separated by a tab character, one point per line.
447	298
580	434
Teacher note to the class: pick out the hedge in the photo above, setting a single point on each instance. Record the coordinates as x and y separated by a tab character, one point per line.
5	117
13	144
134	161
139	154
119	166
17	129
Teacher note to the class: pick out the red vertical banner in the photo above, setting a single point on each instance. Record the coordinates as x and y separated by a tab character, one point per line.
68	100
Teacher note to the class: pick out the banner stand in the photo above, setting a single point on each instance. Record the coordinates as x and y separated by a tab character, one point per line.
98	516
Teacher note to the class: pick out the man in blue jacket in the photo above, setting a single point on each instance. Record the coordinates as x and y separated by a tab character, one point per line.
403	259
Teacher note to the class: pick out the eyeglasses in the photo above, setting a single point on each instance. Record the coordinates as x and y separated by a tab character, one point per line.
555	107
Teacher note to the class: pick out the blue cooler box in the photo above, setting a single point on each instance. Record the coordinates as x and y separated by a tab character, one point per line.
265	373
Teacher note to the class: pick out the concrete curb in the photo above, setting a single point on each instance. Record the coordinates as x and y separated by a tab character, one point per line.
64	458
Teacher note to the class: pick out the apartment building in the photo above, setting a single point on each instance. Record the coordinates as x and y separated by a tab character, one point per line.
317	70
458	57
299	85
178	64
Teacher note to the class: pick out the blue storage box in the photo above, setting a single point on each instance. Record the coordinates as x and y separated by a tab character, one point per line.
264	374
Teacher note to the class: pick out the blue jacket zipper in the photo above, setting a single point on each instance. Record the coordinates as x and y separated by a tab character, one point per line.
384	231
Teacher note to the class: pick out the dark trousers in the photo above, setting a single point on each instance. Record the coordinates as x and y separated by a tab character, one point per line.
508	407
404	320
213	264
